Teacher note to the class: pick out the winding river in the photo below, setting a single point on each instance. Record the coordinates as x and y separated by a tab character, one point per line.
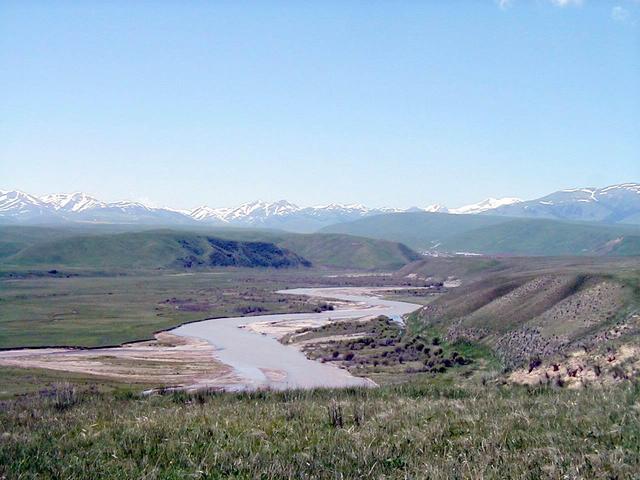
260	361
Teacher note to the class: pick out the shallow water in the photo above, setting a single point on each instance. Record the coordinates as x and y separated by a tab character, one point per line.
260	361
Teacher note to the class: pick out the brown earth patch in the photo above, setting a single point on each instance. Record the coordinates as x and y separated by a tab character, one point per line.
167	360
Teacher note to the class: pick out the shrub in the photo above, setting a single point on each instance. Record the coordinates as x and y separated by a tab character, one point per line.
65	396
335	415
534	363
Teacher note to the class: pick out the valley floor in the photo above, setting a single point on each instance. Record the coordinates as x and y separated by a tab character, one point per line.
446	408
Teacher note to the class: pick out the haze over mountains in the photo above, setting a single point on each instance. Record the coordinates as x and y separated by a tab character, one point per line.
613	204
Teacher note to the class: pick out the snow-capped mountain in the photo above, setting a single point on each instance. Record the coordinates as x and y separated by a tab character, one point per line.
485	205
435	208
22	206
72	202
205	213
614	204
256	212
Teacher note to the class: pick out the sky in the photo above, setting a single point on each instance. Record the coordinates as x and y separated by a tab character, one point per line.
403	103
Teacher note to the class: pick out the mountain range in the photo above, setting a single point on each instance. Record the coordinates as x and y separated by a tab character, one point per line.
613	204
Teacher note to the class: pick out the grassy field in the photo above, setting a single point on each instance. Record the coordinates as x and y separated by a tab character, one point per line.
417	430
29	381
108	310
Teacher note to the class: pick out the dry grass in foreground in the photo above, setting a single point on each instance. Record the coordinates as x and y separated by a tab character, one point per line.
416	430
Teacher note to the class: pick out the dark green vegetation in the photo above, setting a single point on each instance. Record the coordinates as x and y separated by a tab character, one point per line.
416	430
496	235
388	353
99	248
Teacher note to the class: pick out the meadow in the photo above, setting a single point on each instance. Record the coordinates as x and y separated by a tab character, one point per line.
422	429
92	309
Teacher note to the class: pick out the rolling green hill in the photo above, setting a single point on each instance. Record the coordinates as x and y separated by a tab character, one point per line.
497	235
158	249
419	230
93	248
547	237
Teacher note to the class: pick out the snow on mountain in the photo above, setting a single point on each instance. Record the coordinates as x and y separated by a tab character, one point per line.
612	204
257	211
205	213
488	204
72	202
341	208
628	187
125	206
21	205
436	208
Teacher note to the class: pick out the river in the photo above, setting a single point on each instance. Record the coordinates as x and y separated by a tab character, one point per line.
260	361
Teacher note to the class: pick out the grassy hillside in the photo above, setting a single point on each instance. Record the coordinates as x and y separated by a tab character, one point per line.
547	237
154	249
419	230
332	250
543	311
93	248
14	238
470	269
496	235
350	252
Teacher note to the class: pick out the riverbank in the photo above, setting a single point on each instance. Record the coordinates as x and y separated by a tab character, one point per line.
251	347
234	353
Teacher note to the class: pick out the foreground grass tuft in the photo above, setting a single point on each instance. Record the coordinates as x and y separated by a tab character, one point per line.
417	430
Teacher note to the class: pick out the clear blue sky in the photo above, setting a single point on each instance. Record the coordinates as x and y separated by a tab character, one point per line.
404	103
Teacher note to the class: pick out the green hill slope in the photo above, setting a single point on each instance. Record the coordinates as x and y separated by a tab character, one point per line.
547	237
331	250
92	248
158	249
419	230
540	312
497	235
346	251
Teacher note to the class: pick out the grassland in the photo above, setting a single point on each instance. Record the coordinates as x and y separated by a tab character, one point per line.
415	430
32	381
90	311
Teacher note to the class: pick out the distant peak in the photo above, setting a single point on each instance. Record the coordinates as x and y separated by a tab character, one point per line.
436	208
487	204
